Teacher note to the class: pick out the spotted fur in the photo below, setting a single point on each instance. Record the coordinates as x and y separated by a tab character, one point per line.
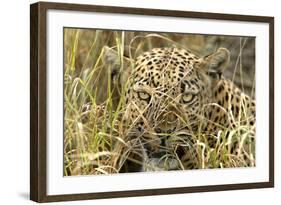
173	94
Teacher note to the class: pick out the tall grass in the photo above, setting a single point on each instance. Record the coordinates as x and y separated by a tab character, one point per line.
96	139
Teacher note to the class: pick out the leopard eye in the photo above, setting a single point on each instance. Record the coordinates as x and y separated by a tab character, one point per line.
186	98
144	95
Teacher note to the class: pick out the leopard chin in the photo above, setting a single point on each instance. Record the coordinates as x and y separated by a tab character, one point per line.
160	164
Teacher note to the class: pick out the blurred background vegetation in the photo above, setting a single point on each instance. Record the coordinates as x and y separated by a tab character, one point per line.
87	82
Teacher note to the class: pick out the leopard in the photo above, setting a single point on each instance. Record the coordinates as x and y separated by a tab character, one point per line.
173	95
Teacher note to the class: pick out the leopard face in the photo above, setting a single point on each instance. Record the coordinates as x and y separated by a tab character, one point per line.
167	94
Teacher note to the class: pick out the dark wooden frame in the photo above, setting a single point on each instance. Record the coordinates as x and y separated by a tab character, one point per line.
38	101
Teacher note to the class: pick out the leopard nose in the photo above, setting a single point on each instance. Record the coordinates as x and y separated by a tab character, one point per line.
165	135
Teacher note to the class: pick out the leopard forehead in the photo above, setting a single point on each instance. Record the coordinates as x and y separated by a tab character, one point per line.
164	66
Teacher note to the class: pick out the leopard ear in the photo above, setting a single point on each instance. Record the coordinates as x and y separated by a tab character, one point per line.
214	64
118	65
